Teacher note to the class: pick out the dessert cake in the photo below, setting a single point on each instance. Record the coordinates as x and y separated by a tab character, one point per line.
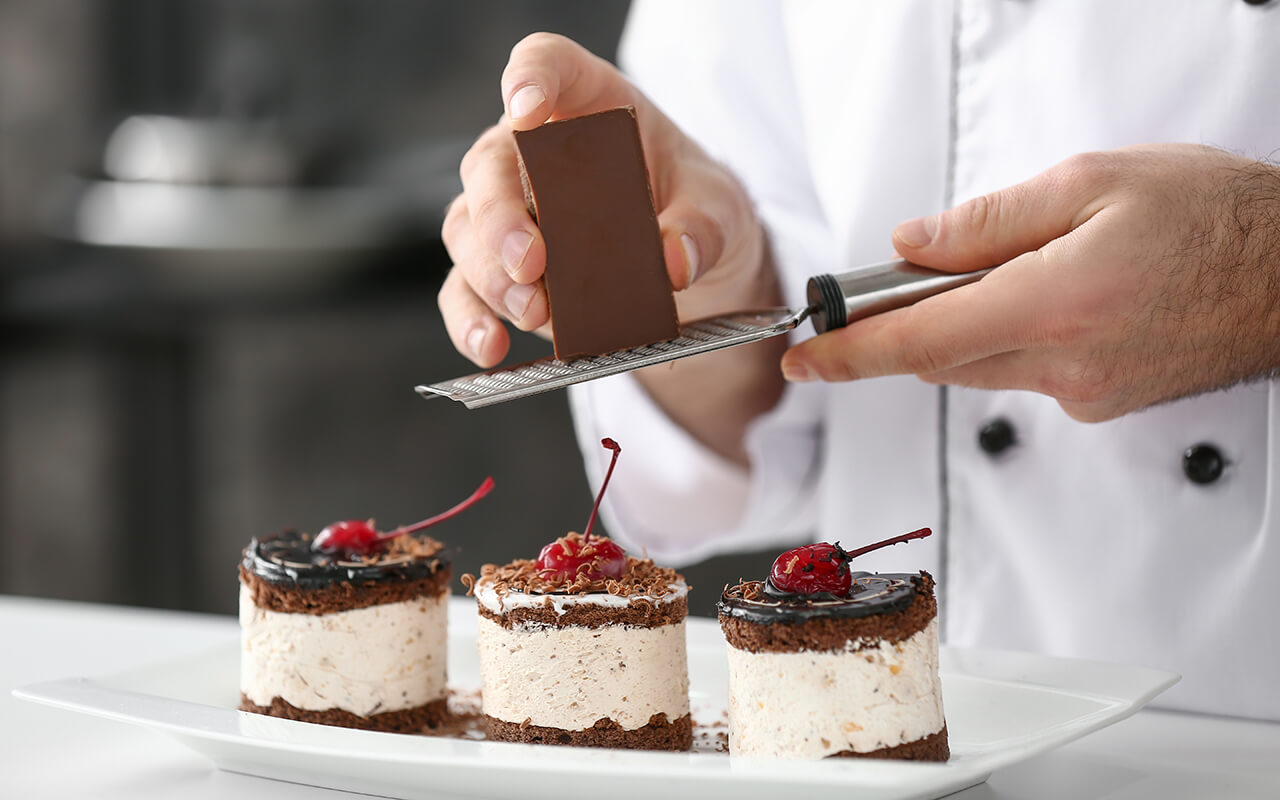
348	627
825	662
584	646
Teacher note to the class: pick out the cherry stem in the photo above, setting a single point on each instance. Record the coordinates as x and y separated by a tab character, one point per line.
906	537
484	489
609	444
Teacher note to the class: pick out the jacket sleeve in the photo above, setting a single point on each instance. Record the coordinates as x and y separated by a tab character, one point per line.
720	70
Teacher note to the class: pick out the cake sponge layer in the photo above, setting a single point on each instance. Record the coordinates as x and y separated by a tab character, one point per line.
409	720
659	734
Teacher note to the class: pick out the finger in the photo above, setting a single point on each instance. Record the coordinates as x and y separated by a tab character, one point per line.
495	203
472	326
1029	371
1016	369
1000	313
549	76
994	228
1088	387
703	209
524	304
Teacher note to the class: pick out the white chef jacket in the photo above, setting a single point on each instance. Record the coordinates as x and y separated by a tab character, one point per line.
1082	540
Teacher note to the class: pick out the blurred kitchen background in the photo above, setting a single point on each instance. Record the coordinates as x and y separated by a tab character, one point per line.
219	257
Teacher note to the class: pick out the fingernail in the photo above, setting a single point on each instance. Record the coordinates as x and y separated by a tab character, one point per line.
797	373
517	300
691	257
475	340
514	248
917	232
526	100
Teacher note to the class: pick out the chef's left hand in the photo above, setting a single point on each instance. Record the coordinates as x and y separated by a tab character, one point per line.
1127	278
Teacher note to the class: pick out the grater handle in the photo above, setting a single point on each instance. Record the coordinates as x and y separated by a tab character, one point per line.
836	300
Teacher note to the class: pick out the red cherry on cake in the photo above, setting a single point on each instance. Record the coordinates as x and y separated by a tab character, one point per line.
350	536
811	569
572	555
824	567
357	537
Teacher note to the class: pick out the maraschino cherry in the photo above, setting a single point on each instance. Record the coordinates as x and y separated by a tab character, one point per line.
824	567
570	556
355	537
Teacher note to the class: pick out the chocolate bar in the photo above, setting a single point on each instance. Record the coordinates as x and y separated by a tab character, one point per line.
588	189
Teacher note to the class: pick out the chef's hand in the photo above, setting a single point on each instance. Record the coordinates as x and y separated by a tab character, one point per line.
709	229
1127	278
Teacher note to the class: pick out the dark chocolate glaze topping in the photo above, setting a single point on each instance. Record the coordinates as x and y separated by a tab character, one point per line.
287	557
871	593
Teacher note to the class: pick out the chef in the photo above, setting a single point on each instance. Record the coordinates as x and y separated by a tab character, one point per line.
1092	430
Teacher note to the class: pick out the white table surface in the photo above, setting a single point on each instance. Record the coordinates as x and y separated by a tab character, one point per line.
50	753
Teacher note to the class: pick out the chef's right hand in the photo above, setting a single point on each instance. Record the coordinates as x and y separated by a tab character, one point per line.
710	233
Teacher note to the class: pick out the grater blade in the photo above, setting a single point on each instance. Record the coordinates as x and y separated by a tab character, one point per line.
547	374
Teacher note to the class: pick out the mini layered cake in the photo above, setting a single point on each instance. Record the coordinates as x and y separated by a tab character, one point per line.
584	646
825	662
348	627
592	663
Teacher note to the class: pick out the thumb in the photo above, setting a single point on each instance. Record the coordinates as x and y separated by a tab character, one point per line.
549	76
705	216
998	227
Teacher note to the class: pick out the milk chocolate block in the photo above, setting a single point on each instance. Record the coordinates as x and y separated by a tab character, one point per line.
588	188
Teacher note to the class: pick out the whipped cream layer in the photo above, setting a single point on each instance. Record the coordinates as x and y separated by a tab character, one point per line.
570	677
810	704
366	661
501	602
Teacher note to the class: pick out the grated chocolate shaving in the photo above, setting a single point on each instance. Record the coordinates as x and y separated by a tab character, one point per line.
413	546
745	590
641	578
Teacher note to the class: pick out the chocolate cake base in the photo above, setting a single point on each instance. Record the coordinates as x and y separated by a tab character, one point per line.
833	633
342	595
659	734
409	720
933	747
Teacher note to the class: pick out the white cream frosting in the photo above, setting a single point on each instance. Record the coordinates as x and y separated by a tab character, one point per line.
813	704
501	602
367	661
570	677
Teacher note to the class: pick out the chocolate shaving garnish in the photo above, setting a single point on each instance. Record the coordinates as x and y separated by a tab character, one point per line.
641	578
413	546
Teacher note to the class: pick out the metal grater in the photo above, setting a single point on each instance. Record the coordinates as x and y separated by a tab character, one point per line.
834	301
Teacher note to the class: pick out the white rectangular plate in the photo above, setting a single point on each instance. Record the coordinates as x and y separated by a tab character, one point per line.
1001	708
